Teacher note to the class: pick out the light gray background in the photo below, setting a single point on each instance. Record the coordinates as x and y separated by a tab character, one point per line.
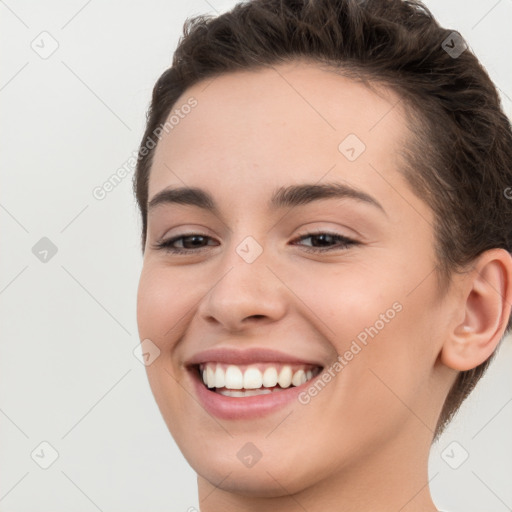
67	370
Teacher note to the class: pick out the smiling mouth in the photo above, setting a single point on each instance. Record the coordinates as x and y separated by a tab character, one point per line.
254	379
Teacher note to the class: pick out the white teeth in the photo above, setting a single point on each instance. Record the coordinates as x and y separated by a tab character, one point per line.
234	378
299	377
248	392
285	376
220	381
210	376
270	377
253	379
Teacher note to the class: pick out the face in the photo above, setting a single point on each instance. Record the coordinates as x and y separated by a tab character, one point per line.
331	285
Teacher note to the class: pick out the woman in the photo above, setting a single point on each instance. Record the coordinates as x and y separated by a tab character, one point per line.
326	236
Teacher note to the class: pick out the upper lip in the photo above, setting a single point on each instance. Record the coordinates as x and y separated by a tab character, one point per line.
246	356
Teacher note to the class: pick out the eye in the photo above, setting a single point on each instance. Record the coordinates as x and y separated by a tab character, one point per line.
190	242
324	241
195	242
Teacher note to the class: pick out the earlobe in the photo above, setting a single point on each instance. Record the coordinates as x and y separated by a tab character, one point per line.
486	302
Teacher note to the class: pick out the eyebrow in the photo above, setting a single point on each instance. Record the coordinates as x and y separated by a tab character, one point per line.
283	197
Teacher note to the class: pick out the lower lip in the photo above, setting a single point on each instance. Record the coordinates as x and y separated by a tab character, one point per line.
241	408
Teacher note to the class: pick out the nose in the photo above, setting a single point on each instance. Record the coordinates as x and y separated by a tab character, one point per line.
244	295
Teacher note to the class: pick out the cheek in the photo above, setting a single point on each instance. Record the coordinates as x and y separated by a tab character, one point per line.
162	304
347	301
380	329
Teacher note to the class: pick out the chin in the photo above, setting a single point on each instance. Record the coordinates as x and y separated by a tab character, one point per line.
254	482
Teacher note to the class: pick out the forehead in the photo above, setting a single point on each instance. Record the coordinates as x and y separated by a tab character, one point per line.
268	126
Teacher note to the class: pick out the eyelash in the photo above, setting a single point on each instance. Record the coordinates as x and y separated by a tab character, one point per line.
343	243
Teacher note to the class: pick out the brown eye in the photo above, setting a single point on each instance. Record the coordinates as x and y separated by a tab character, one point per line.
322	242
187	243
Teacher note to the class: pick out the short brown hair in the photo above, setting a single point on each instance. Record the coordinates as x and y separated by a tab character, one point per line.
459	159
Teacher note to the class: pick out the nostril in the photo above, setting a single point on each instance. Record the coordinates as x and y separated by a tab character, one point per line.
256	317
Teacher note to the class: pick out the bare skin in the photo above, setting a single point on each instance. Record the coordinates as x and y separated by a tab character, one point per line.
362	442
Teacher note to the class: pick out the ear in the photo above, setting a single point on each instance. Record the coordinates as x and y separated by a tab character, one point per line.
485	307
